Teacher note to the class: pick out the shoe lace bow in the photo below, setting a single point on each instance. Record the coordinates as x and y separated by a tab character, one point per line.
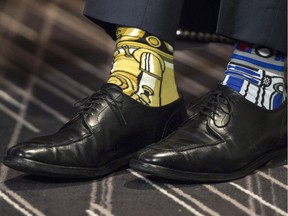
215	101
92	103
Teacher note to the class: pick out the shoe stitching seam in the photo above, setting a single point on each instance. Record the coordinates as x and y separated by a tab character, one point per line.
56	145
170	120
187	149
143	152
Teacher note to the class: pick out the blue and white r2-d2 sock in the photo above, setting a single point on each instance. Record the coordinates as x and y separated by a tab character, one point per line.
257	73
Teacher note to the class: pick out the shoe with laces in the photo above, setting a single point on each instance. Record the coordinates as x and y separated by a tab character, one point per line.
109	129
225	138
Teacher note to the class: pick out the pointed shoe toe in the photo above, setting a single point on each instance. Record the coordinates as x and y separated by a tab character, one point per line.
226	137
107	132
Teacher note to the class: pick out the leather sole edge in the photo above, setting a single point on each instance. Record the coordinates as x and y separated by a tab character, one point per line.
44	169
276	158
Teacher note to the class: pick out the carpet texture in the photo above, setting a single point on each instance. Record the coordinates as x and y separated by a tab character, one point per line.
50	57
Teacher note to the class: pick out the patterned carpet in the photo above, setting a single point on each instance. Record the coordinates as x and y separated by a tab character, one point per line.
51	56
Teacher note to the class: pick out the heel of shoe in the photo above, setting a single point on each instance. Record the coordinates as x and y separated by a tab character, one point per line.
175	120
279	160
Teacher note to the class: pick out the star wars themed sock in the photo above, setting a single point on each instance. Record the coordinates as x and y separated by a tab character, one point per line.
257	73
143	67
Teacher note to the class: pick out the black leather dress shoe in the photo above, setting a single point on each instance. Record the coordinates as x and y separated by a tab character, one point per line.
110	128
226	137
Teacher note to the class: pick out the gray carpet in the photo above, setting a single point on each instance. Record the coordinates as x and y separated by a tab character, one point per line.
51	56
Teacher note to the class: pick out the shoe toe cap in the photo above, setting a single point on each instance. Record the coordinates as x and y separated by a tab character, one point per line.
170	159
156	157
28	151
19	151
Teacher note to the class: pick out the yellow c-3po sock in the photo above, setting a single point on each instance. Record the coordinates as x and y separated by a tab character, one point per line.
143	67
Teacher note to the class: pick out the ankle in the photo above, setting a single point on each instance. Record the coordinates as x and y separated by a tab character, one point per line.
257	73
143	67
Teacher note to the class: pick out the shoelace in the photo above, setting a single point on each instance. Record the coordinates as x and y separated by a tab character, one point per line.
214	102
89	104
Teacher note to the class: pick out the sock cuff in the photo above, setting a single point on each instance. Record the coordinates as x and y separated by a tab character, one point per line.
259	57
134	35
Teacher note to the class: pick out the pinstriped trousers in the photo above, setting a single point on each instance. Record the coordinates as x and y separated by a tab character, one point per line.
262	22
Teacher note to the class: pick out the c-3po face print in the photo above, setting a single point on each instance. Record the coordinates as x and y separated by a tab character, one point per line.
139	67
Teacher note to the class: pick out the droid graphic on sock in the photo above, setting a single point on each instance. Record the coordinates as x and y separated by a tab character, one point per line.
267	88
139	67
